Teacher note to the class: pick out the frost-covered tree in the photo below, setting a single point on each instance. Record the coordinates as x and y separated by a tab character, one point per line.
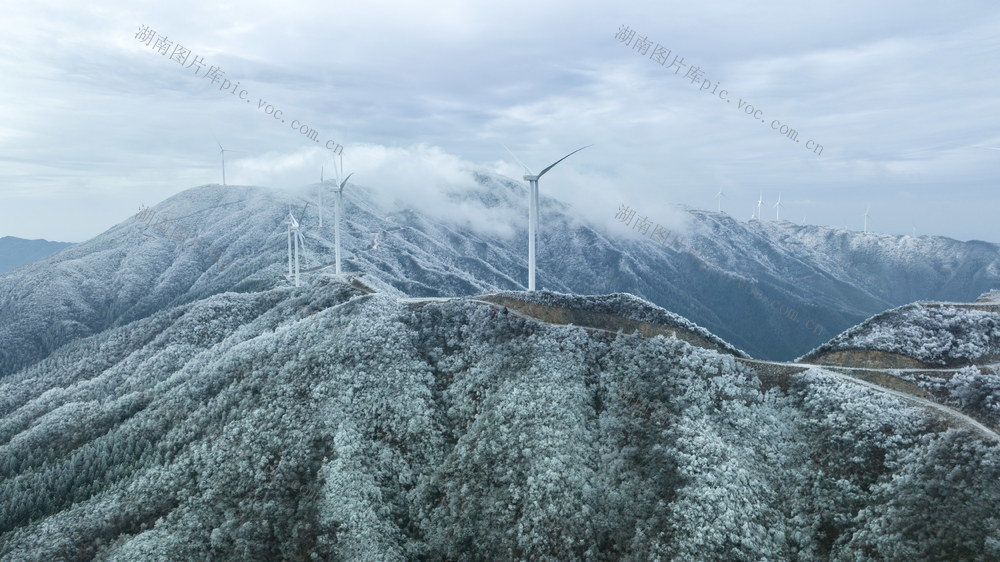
355	520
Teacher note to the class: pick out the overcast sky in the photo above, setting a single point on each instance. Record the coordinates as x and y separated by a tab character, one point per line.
898	93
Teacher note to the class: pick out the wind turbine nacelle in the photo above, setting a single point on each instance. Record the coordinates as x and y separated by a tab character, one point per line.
531	178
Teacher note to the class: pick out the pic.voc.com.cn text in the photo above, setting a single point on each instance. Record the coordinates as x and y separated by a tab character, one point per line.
179	54
662	55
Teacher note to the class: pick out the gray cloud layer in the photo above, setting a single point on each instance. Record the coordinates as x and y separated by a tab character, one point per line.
899	94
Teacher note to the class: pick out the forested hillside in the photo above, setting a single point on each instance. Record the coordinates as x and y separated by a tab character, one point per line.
324	423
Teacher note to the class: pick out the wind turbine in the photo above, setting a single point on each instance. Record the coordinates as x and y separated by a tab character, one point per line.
294	233
336	216
223	152
532	180
760	201
777	209
720	196
866	217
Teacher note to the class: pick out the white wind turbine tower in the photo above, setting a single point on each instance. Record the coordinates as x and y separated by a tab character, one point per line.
532	180
720	196
777	209
336	216
223	152
760	201
294	233
866	217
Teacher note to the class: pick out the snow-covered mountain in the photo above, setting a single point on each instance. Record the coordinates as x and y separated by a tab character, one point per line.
773	289
328	422
950	352
15	252
922	334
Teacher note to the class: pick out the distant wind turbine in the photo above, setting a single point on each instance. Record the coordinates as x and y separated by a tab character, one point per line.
760	201
532	180
720	196
223	152
866	217
777	209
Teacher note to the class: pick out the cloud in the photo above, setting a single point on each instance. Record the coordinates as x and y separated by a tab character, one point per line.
896	92
431	180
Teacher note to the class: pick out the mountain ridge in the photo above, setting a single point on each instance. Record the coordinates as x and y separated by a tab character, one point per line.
827	277
15	252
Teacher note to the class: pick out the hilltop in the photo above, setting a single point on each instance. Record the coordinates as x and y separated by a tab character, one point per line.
923	334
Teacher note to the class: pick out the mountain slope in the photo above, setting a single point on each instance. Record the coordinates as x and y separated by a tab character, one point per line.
325	422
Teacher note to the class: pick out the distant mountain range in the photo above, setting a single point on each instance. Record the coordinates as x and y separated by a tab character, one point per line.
773	289
15	252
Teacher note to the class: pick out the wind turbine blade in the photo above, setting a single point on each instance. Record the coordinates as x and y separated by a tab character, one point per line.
526	169
343	183
987	147
542	173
